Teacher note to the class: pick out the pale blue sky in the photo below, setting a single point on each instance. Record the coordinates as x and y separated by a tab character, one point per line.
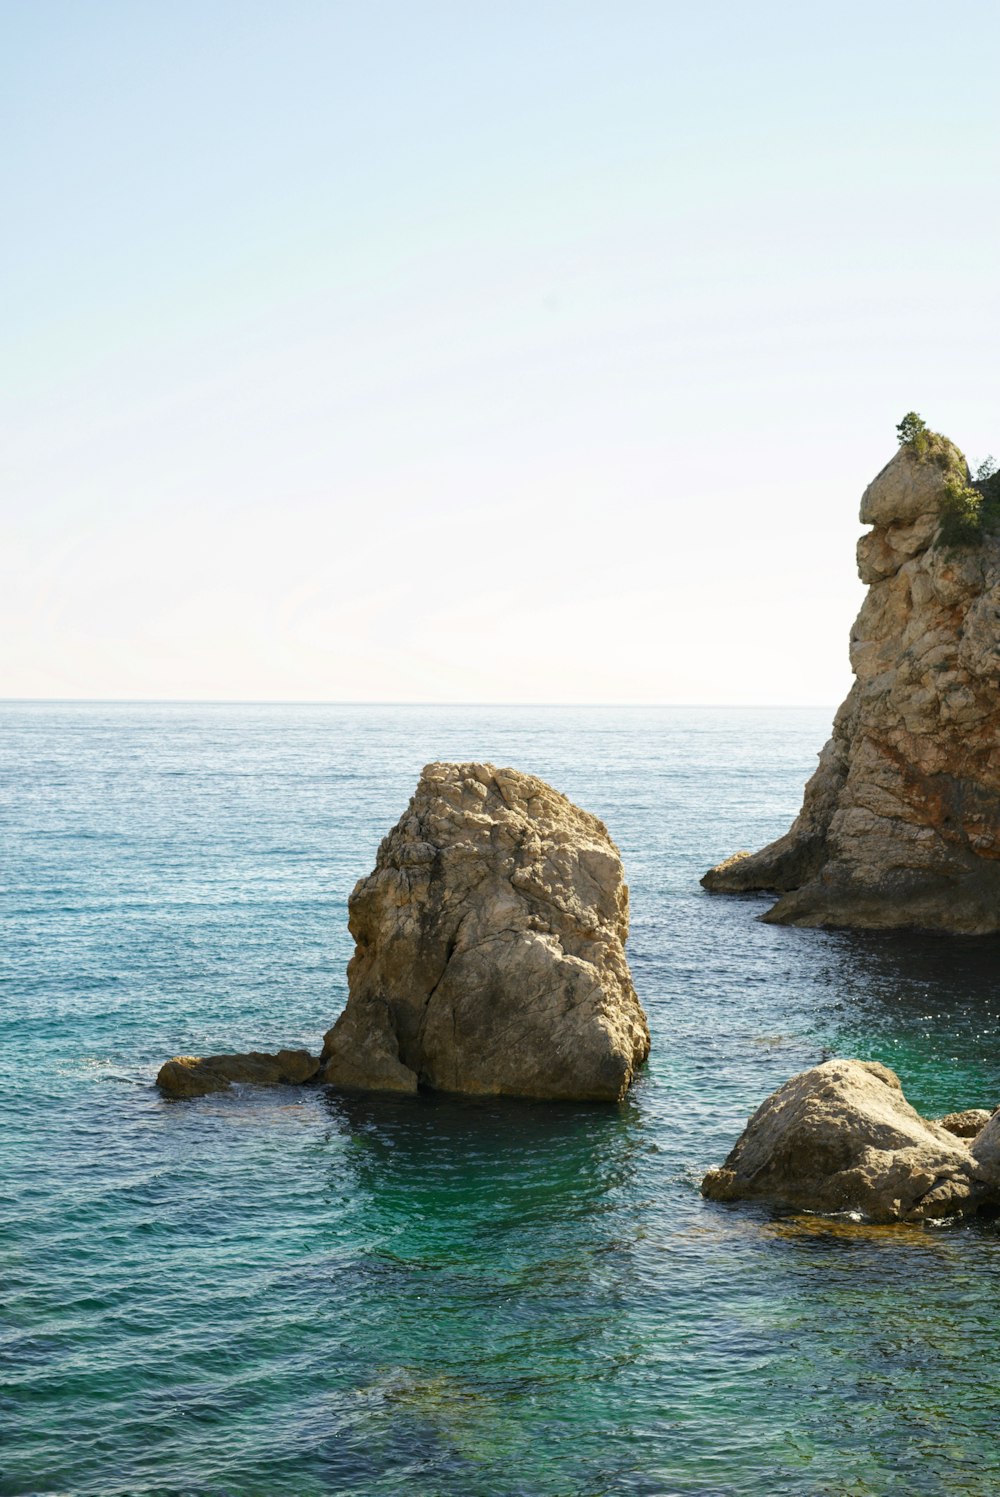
422	351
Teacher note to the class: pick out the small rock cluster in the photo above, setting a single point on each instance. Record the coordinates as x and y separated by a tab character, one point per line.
843	1138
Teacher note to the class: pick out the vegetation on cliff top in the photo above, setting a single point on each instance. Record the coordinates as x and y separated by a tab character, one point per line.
971	508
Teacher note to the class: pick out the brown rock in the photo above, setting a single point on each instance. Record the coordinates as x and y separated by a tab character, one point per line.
986	1149
900	824
907	488
490	948
965	1124
842	1137
196	1075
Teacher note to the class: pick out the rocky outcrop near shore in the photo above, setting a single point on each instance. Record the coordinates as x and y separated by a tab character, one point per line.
900	823
490	956
843	1138
490	949
197	1075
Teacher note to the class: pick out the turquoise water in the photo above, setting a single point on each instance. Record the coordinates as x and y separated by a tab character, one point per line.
279	1292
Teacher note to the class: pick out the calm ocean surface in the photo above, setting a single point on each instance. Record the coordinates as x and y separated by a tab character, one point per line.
291	1292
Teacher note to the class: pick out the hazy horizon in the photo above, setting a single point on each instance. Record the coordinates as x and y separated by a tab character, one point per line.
442	353
333	702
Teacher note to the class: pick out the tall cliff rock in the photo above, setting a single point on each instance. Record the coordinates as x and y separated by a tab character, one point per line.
900	823
490	948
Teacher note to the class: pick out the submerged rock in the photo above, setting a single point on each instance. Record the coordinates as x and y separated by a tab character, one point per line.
197	1075
900	823
490	948
842	1137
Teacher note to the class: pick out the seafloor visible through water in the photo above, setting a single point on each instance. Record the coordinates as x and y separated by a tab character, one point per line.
292	1292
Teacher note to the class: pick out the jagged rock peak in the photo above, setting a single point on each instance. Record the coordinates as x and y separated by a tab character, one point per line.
900	823
490	948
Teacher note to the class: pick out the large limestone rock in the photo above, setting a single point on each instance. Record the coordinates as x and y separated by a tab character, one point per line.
197	1075
900	824
490	948
843	1138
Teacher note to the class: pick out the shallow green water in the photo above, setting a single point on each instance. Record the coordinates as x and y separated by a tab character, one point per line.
290	1292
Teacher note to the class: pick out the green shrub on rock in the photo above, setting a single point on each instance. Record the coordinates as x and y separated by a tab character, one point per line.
926	445
970	508
912	432
961	514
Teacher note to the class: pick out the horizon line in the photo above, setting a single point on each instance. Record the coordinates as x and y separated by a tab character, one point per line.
348	702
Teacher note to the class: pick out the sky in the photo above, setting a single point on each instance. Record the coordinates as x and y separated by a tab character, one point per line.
447	350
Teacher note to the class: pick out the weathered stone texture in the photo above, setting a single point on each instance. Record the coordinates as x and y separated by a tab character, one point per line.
900	824
843	1138
490	948
967	1123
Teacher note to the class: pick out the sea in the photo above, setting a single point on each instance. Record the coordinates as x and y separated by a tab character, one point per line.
295	1292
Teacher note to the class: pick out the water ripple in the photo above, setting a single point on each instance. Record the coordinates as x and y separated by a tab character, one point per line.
289	1292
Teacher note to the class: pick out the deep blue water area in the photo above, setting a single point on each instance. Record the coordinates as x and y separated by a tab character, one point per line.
292	1292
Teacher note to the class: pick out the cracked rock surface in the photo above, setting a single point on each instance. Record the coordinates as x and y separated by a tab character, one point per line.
490	949
843	1138
900	823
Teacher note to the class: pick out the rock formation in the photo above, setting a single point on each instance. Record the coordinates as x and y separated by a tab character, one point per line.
490	948
965	1124
985	1148
842	1137
197	1075
900	824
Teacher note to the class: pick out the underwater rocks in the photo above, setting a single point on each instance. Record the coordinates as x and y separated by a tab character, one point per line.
490	949
197	1075
843	1138
900	823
